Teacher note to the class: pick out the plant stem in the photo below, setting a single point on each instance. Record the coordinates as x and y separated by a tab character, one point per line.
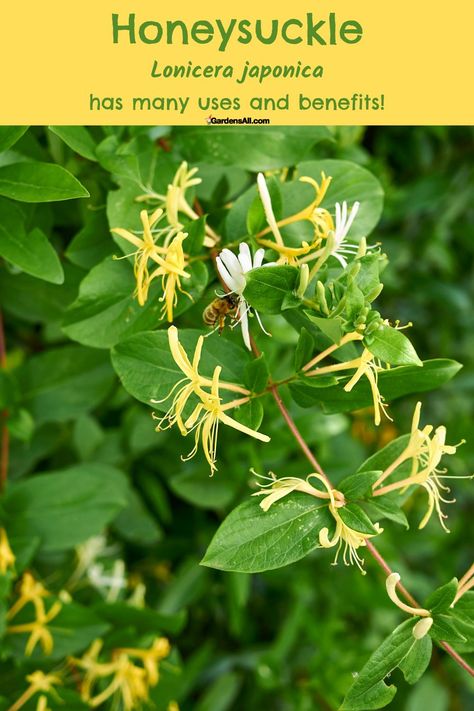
5	435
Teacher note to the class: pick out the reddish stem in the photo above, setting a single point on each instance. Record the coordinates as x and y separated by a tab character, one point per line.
5	435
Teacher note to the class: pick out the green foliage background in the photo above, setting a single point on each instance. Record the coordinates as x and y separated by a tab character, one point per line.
290	639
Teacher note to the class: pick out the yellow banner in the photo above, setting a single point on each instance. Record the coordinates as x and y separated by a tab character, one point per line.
328	62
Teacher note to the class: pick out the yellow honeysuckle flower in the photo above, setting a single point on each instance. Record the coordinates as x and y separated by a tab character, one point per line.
277	489
128	681
146	250
366	366
209	412
38	630
425	450
174	202
363	365
171	270
151	657
345	536
205	418
30	590
39	683
7	557
319	217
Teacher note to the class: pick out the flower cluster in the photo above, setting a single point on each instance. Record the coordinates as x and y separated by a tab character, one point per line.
209	411
334	231
168	260
425	449
128	682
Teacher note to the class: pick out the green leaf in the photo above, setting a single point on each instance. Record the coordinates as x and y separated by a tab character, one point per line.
267	287
358	486
9	135
251	147
78	138
257	374
385	456
250	414
65	382
304	349
388	506
92	243
106	310
35	300
354	517
369	691
32	252
464	608
393	384
417	660
441	599
39	182
147	370
202	491
144	620
444	629
251	540
119	159
392	346
136	525
352	183
331	327
65	507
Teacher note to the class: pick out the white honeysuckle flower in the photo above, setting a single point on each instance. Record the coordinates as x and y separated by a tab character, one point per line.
344	220
232	270
108	583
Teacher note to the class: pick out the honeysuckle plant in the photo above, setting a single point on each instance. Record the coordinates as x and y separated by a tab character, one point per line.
202	380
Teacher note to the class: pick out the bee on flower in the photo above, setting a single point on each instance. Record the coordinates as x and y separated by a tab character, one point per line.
209	411
232	270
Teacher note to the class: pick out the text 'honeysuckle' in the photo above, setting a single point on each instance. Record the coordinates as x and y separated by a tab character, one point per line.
204	396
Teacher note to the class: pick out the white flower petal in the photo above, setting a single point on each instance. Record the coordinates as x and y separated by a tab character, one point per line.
258	258
244	323
245	257
228	280
234	268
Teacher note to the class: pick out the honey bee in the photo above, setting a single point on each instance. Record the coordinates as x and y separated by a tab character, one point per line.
216	312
